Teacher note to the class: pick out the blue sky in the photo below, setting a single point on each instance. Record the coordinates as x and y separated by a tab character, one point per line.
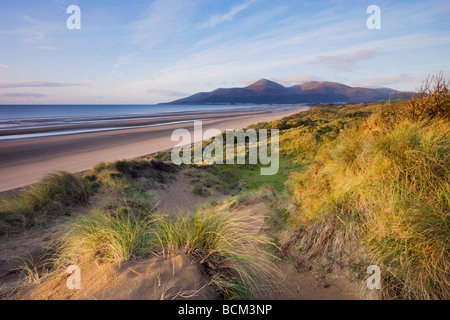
143	52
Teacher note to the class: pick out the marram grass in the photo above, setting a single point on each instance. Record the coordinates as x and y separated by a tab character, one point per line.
388	189
220	240
52	195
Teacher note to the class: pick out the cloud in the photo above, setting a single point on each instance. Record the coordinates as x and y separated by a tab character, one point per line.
4	66
163	21
39	32
344	63
294	80
47	48
39	84
23	95
246	81
166	92
365	54
390	80
288	81
219	18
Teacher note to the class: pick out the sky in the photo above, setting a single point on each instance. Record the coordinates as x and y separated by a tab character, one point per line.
145	52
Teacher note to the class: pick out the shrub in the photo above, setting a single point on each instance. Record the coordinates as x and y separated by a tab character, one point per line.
431	101
199	190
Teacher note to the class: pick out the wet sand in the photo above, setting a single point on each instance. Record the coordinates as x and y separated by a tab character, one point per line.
23	162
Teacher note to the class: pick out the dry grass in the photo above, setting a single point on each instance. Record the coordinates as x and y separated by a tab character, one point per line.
383	184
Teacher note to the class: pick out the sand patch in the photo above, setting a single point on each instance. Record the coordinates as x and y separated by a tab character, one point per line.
156	278
176	197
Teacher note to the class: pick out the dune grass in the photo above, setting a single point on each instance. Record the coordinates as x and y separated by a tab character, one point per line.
107	237
221	240
379	194
218	239
52	195
391	193
117	176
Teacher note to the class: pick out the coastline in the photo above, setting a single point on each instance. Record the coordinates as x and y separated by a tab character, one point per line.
26	161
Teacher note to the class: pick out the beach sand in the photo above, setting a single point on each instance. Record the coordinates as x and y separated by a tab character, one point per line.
23	162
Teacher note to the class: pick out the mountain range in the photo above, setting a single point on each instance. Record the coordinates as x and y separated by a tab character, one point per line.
266	91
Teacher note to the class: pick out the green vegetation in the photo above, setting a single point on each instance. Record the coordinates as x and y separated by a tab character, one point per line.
120	175
52	196
199	190
254	180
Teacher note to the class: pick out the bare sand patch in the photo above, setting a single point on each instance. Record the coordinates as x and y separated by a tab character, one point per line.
157	278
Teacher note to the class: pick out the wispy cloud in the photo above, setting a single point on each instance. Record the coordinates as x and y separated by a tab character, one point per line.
246	81
39	84
344	63
4	66
166	92
287	81
294	80
23	95
388	81
46	48
228	16
163	21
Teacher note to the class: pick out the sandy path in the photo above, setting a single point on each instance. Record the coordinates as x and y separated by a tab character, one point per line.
26	161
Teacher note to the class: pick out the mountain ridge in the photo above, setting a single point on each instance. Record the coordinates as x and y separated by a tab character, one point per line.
265	91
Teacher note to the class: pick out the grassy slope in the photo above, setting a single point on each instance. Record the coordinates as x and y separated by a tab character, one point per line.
373	189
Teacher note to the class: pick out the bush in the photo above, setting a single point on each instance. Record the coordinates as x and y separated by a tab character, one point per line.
199	190
431	101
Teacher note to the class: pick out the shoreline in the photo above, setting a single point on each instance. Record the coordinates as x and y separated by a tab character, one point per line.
25	161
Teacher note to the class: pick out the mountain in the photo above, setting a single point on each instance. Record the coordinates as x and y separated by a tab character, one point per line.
265	91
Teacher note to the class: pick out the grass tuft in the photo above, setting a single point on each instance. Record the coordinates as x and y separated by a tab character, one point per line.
221	241
52	195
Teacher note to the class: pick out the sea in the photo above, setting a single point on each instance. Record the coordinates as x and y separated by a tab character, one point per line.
16	119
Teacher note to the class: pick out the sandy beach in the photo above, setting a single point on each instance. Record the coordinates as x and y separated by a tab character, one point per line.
23	162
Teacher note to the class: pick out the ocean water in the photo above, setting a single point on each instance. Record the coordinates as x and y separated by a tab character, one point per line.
46	119
40	112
